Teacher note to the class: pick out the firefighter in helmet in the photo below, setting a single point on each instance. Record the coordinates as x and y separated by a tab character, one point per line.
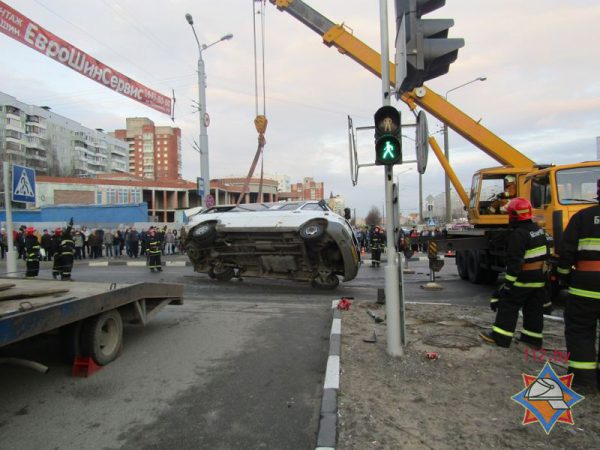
154	251
63	260
524	283
377	245
32	253
579	268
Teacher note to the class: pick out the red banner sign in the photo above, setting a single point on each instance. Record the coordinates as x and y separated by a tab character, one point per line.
20	28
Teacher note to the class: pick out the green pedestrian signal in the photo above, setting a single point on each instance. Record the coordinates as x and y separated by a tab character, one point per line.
388	138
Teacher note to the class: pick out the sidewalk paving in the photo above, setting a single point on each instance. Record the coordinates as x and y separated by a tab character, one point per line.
462	399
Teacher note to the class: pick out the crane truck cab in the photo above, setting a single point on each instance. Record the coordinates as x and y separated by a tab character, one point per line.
491	190
558	192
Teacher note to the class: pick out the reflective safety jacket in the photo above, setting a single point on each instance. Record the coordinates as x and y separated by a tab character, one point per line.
66	246
32	248
580	253
154	246
377	240
526	253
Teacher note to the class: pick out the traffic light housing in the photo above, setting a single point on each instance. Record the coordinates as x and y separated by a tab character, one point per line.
429	51
388	136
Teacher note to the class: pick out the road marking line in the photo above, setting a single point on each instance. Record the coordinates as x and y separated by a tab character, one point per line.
332	373
429	303
136	263
176	263
336	326
98	264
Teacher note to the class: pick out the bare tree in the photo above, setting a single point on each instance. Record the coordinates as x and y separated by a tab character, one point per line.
374	216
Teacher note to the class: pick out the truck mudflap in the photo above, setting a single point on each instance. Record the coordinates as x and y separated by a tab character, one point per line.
32	307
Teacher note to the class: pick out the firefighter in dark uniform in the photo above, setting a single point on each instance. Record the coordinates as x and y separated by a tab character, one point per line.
579	268
63	261
524	283
57	262
32	253
153	251
377	244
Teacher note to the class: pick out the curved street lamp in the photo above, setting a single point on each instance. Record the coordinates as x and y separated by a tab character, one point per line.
202	114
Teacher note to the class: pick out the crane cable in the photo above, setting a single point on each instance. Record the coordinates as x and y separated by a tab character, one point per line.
260	121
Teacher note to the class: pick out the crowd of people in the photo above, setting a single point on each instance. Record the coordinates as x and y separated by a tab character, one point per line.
373	239
94	243
64	245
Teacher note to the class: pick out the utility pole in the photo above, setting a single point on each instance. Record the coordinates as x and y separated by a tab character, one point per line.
447	178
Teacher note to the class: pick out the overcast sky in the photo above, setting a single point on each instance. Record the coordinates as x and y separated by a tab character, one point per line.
540	57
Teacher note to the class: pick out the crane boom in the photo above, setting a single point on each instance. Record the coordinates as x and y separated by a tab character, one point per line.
339	37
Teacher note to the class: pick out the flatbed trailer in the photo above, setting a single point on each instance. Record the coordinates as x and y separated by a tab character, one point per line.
89	316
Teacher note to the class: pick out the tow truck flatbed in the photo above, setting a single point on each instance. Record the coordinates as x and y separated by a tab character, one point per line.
32	307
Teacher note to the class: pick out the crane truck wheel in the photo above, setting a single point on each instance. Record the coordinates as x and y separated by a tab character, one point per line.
476	273
102	337
461	264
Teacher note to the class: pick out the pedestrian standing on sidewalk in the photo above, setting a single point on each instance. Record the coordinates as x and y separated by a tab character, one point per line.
169	243
153	251
524	283
78	243
116	243
32	251
108	243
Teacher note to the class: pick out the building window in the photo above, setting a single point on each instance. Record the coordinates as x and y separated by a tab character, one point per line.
98	197
110	196
136	196
123	196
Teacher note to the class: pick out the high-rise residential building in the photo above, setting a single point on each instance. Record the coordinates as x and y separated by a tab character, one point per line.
154	151
54	145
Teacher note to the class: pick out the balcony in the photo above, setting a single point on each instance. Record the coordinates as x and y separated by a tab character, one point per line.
15	126
14	116
119	152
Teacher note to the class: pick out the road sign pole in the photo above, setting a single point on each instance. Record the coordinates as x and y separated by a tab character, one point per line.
392	292
11	255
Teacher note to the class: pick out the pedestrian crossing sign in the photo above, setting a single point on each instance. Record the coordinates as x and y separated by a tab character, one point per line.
23	184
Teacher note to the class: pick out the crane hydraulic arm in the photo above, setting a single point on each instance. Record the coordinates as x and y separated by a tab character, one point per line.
346	43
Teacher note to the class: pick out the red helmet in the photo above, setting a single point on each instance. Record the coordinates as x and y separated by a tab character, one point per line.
29	231
58	231
519	209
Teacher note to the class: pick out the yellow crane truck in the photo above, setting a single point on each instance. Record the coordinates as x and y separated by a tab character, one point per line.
556	192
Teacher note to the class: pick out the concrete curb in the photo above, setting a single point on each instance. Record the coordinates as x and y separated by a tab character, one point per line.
327	436
139	263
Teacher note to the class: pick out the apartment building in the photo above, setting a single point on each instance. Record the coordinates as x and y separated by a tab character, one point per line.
309	189
55	145
154	151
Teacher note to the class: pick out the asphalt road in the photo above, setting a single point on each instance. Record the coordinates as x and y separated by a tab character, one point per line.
239	365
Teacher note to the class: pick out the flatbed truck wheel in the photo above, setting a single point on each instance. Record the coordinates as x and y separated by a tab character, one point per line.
102	337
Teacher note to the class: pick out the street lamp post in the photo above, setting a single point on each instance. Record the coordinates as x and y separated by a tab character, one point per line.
202	114
447	152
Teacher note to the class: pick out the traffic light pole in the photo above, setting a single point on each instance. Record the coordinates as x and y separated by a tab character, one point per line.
392	280
11	255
